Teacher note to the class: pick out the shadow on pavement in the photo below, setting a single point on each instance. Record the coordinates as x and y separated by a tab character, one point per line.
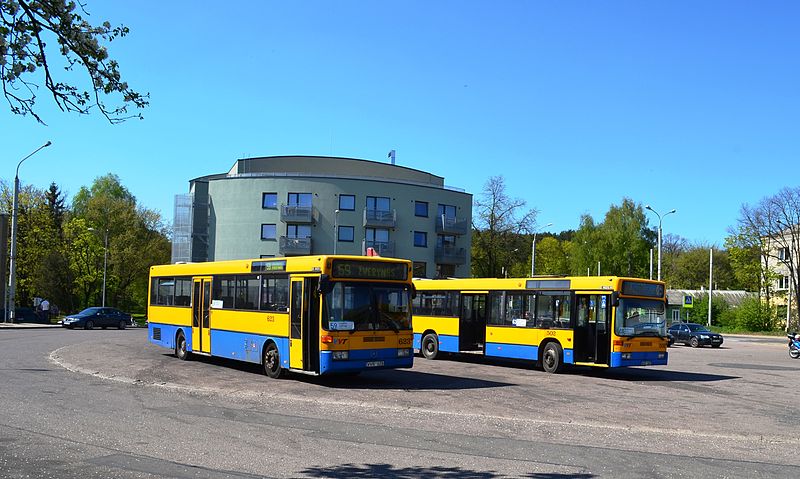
385	379
389	471
641	374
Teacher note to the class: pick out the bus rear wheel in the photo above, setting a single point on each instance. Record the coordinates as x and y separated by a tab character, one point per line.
552	358
430	346
180	347
272	362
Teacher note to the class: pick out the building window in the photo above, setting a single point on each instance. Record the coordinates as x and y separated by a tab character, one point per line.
378	203
347	202
269	201
783	282
299	199
445	270
298	231
420	269
676	315
346	233
421	208
421	239
783	254
377	235
268	231
267	256
446	211
446	241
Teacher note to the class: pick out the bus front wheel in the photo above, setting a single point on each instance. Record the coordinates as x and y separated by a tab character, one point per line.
552	357
272	362
430	346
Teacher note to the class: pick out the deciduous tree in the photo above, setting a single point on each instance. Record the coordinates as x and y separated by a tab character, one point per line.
39	39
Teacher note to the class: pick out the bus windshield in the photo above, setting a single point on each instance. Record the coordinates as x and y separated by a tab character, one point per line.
351	306
640	317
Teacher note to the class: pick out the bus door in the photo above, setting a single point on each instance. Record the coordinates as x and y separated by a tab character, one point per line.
201	302
472	322
304	327
591	328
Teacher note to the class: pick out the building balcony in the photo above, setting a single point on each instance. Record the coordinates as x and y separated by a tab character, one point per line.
297	214
450	255
290	246
383	248
380	218
448	225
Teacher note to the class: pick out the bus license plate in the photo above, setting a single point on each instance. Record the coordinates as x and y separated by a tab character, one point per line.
374	364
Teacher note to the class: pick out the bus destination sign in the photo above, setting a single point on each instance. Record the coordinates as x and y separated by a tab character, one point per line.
355	269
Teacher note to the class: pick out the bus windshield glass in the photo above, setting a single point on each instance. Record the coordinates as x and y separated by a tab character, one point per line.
351	306
640	317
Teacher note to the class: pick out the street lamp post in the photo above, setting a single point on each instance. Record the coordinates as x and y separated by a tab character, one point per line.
105	262
533	250
12	263
647	207
335	229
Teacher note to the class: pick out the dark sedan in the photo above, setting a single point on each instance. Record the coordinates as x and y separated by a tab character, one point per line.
694	335
97	316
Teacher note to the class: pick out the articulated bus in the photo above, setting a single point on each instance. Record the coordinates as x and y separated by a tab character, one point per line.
307	314
600	321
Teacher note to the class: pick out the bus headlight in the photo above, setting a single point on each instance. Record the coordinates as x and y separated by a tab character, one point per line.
340	355
626	355
403	353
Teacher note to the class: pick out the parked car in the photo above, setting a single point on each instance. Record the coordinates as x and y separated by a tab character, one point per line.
97	316
694	335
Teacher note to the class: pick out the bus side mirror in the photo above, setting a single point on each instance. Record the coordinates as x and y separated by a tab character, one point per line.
325	285
615	299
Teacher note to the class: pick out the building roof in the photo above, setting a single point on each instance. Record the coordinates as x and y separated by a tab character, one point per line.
328	167
733	298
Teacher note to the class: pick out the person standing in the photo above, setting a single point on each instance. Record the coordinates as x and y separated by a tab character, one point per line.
45	305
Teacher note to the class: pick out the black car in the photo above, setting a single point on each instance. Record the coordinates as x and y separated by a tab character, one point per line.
694	335
97	316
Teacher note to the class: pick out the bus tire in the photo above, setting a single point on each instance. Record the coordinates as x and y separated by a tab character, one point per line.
430	346
180	347
272	361
552	357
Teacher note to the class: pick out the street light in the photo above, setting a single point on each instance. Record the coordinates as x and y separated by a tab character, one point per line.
335	229
12	276
533	250
647	207
105	262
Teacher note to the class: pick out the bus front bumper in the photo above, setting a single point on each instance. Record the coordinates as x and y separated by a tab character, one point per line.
642	358
364	360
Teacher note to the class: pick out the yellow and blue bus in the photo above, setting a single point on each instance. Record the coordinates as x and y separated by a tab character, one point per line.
600	321
307	314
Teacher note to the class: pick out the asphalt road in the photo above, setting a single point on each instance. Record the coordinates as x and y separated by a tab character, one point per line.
109	404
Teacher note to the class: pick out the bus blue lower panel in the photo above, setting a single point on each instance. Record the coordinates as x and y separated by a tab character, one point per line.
520	351
364	359
650	358
166	334
246	346
447	344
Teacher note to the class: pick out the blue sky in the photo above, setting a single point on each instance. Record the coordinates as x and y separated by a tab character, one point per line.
686	105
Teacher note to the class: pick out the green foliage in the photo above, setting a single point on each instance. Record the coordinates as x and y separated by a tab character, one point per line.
26	29
745	260
61	252
755	315
692	268
699	313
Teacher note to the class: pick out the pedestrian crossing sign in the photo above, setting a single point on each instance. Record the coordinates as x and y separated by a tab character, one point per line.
688	301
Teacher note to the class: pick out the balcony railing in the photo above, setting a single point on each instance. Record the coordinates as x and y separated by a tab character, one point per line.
451	225
297	214
450	255
290	246
383	248
379	218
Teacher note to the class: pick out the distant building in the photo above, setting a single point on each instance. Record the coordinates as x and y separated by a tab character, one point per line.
675	297
299	205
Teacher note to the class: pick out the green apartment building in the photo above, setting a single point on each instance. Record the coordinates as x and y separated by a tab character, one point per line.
300	205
